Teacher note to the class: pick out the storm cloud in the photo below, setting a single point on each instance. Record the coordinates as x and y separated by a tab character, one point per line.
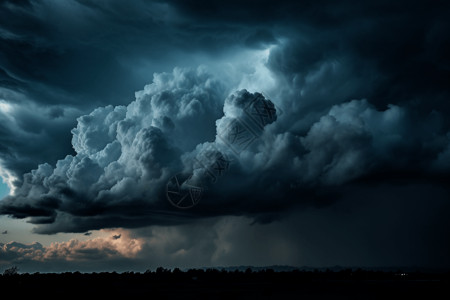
125	156
299	103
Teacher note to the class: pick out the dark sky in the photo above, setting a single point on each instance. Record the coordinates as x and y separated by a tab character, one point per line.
198	133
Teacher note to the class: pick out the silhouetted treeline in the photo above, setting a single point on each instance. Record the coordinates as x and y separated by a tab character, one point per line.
212	274
263	284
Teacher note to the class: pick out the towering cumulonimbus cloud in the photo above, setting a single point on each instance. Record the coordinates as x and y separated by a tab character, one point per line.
123	155
188	121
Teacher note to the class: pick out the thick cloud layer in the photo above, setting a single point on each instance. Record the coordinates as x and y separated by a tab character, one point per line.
126	156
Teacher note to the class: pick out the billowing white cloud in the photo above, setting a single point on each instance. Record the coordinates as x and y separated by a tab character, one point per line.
124	155
243	151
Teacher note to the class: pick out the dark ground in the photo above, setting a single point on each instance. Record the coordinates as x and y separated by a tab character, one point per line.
215	284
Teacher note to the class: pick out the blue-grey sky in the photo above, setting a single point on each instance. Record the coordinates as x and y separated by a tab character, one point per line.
198	133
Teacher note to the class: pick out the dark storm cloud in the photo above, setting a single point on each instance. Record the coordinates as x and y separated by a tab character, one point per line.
78	55
362	88
357	231
126	155
27	130
97	45
71	62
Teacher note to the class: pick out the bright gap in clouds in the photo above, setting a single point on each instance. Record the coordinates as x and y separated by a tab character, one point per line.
258	77
5	107
4	189
6	179
6	183
243	69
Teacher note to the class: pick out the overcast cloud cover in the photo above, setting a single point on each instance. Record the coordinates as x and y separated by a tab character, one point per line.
102	103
